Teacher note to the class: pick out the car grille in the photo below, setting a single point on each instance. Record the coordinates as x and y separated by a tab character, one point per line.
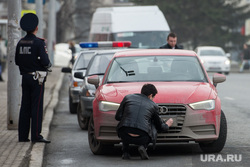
177	112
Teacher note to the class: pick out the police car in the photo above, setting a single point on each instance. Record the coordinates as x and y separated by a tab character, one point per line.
81	64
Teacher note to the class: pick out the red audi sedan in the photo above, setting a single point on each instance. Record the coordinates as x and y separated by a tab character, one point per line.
185	93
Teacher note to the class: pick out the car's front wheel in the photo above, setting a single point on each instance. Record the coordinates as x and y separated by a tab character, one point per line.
96	146
82	121
217	145
72	106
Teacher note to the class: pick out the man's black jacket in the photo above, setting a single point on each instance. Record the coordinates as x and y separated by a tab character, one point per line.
246	54
138	111
167	46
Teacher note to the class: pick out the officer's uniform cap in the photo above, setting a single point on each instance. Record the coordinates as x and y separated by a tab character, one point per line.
29	22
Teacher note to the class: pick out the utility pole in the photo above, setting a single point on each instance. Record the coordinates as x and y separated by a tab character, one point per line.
14	79
52	29
39	12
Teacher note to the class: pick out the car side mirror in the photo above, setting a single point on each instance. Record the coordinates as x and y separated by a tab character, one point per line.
228	55
218	78
66	70
79	75
94	80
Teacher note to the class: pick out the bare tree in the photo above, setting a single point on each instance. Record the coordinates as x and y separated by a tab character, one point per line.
74	18
82	19
65	25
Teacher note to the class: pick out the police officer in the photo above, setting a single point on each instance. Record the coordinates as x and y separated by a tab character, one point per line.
31	57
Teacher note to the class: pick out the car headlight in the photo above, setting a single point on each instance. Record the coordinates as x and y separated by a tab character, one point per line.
202	61
203	105
227	62
108	106
77	84
90	93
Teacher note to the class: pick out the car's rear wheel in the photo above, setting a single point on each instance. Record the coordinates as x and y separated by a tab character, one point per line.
72	106
82	121
217	145
226	73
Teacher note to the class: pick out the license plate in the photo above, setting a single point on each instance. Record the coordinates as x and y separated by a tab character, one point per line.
174	119
214	68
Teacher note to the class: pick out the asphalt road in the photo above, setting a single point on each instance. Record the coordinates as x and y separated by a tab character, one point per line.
69	145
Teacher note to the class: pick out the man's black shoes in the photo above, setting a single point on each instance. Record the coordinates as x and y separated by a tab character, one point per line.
41	141
26	140
143	153
125	156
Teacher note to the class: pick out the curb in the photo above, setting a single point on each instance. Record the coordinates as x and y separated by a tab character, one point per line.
37	151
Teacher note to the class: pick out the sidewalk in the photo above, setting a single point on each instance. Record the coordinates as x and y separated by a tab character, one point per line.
14	153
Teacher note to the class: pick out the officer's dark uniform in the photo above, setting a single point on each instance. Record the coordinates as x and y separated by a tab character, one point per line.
31	56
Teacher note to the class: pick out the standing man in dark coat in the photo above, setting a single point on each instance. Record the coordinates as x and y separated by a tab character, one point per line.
1	57
171	42
33	61
246	57
73	51
139	119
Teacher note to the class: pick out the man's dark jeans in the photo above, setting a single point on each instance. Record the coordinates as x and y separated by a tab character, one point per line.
142	139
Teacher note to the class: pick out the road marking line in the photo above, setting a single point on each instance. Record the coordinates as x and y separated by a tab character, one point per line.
229	98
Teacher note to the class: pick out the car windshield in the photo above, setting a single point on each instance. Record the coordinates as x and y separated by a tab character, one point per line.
83	61
212	53
153	39
99	64
156	68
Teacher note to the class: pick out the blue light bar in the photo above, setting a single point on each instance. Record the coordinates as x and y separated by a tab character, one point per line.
102	44
88	45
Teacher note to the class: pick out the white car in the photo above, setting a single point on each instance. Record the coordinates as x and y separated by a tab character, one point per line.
80	65
214	59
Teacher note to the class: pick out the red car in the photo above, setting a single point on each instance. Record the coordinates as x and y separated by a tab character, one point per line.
185	93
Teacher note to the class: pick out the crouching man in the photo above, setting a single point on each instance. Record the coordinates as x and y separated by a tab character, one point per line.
139	121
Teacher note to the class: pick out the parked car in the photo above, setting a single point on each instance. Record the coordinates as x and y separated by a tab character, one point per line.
214	59
185	93
80	65
97	66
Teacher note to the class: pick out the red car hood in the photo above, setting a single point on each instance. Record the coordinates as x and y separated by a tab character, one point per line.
168	92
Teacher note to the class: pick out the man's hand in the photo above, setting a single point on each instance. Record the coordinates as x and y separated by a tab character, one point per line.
169	122
49	69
